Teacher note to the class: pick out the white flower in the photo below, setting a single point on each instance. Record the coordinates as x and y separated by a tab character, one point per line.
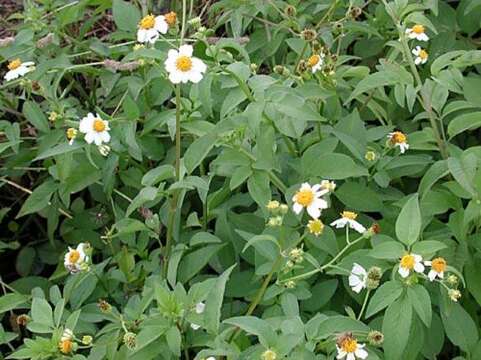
315	62
310	198
350	349
417	32
95	129
438	266
199	309
183	67
16	68
410	262
149	28
421	55
348	218
399	139
358	278
75	259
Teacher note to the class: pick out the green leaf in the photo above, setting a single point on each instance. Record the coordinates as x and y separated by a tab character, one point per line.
378	79
126	15
396	327
192	263
36	116
388	250
460	327
146	194
255	326
198	150
421	302
158	174
11	301
38	199
408	223
203	237
463	171
213	303
437	171
384	296
42	312
463	123
428	248
174	340
331	166
58	150
258	186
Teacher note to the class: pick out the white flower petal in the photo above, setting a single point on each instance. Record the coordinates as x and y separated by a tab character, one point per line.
403	272
186	50
353	224
297	208
361	353
313	211
419	267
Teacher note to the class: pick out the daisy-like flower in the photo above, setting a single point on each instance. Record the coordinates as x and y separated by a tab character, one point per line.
66	342
328	185
358	278
410	262
315	62
199	309
417	32
348	347
17	68
71	135
399	139
421	55
150	27
348	218
438	266
183	67
75	260
95	129
310	198
315	227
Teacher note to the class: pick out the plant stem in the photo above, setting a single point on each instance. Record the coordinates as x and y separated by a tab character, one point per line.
364	303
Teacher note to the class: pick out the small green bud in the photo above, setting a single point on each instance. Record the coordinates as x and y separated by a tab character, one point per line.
375	338
130	340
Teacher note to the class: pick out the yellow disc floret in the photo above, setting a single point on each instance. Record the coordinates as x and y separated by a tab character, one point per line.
14	64
407	261
183	63
313	60
170	18
351	215
349	345
315	227
439	265
398	137
73	256
418	29
99	125
304	197
147	22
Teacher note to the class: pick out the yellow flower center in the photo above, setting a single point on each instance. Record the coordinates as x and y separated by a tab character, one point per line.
418	29
148	22
304	197
423	54
315	226
313	60
73	256
99	125
439	265
407	261
71	133
183	63
170	18
65	346
398	137
351	215
14	64
349	345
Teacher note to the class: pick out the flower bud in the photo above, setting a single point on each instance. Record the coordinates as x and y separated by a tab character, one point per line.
269	355
356	11
290	284
283	209
452	280
370	156
375	338
104	306
290	11
309	35
253	68
23	319
454	294
279	69
104	150
273	206
275	221
196	22
87	340
130	340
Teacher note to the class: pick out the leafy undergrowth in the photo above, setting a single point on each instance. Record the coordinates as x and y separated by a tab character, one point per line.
240	179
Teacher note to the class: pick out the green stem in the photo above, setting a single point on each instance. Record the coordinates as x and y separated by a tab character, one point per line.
364	303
